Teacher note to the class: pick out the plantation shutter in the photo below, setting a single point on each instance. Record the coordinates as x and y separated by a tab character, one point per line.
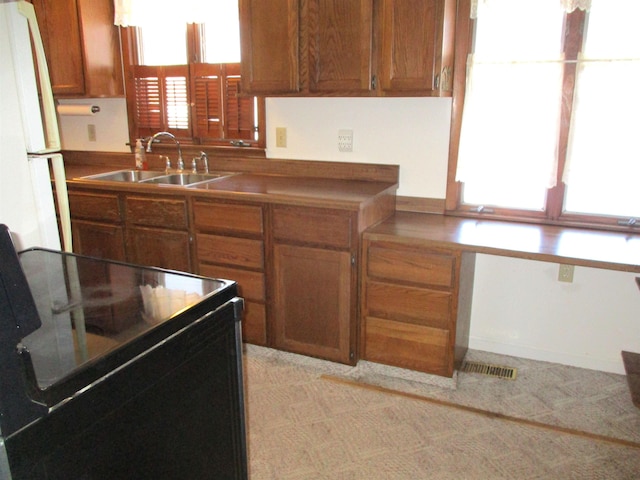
161	100
240	110
220	112
207	85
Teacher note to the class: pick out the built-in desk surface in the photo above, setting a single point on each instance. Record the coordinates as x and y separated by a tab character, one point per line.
575	246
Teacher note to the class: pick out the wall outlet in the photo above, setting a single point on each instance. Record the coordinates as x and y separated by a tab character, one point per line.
565	273
281	137
91	132
345	140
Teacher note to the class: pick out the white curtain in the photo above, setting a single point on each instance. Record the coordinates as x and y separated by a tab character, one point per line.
166	12
603	157
512	102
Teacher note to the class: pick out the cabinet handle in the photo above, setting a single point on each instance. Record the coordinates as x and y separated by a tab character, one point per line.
374	82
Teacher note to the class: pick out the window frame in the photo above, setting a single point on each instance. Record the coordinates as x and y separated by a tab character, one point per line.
553	213
130	55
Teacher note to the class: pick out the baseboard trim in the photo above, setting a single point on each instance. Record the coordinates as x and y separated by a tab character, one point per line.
563	358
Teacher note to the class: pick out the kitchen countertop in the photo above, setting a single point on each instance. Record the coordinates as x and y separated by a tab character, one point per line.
573	246
258	187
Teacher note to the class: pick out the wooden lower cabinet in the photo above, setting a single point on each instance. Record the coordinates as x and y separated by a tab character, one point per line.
415	303
97	225
313	301
100	240
230	244
158	247
158	232
314	281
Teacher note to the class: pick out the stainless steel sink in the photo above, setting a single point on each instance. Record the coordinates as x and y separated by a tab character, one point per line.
159	178
185	179
132	176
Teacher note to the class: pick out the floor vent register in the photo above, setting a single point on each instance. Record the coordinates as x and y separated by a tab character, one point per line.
506	373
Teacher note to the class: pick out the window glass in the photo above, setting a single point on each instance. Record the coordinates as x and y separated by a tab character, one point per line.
603	158
534	114
221	33
508	141
163	45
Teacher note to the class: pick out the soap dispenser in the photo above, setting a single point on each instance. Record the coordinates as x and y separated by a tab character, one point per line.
141	158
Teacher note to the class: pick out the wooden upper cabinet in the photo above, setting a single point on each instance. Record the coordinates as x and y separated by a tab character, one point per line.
416	47
82	47
339	40
348	47
269	38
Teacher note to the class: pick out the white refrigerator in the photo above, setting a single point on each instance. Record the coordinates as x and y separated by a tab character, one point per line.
29	136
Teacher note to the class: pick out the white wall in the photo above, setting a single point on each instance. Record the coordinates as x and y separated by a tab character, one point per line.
110	123
411	132
519	307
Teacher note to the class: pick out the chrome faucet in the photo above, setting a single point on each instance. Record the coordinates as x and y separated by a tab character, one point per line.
205	163
180	165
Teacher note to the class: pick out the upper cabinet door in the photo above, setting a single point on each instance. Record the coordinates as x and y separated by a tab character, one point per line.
416	53
58	22
269	38
339	42
82	46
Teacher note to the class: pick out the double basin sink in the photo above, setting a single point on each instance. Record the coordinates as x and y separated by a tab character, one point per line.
159	178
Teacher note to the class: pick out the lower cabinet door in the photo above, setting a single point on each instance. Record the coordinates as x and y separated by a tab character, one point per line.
313	302
159	248
100	240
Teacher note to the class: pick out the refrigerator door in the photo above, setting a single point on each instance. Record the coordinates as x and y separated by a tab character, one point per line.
26	201
40	128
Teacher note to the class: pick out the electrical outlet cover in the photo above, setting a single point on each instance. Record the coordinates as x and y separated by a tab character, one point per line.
345	140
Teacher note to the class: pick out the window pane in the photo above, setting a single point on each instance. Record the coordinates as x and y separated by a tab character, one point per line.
162	45
604	156
176	102
508	139
221	34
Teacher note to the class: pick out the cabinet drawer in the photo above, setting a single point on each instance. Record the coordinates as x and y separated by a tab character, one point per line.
330	228
157	212
250	284
94	207
394	262
231	251
227	217
404	345
414	305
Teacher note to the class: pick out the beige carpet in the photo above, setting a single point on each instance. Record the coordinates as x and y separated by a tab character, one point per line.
309	419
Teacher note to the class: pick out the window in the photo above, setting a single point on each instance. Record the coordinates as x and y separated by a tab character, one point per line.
184	77
546	132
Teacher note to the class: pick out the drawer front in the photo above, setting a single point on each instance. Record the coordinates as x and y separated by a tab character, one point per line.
157	212
404	345
414	305
240	252
250	284
228	217
95	207
329	228
410	265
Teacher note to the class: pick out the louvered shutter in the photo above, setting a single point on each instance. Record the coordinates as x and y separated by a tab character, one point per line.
220	113
207	88
240	123
161	100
